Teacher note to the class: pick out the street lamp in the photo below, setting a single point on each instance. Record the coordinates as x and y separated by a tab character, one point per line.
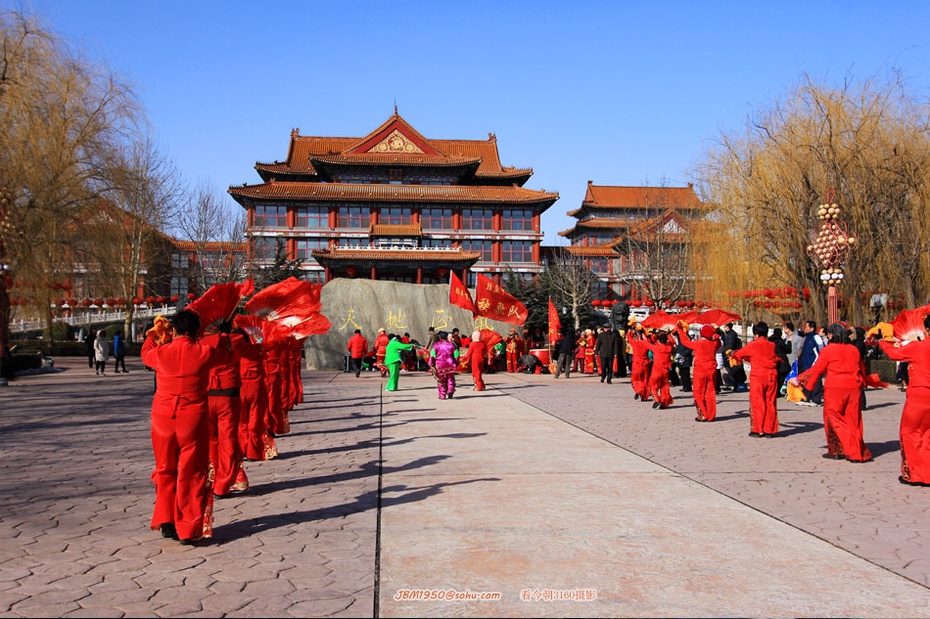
829	250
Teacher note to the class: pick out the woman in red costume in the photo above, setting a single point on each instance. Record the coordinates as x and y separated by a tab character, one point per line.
475	357
180	430
589	341
661	350
380	345
705	370
254	439
514	348
225	406
763	381
915	418
276	420
842	395
642	366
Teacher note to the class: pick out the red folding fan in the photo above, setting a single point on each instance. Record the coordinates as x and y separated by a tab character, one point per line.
909	325
219	303
292	297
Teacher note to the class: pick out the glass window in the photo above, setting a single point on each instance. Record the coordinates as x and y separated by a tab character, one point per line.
305	246
517	219
477	219
435	243
265	247
179	285
312	217
351	242
179	261
436	219
482	246
517	251
271	215
394	215
353	217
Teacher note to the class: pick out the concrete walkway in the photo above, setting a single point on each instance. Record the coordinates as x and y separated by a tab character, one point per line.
535	498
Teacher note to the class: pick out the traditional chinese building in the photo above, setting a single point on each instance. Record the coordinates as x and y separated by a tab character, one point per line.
394	205
616	223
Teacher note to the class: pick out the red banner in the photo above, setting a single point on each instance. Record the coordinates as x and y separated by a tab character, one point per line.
497	304
555	325
459	295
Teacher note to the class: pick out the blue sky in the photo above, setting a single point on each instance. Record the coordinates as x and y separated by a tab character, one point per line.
620	93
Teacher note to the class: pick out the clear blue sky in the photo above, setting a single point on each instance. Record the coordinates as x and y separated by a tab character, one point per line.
621	93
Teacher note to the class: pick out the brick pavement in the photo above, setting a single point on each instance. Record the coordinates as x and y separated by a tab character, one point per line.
326	531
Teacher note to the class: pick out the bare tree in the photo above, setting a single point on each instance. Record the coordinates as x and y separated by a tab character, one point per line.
569	283
216	233
60	117
867	142
655	250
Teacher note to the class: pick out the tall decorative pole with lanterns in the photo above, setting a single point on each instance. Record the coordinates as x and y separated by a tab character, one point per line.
6	284
829	250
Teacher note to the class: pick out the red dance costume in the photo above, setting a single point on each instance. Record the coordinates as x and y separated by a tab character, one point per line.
763	384
642	367
915	418
514	350
381	343
842	401
254	440
180	435
589	342
658	375
705	370
475	357
224	405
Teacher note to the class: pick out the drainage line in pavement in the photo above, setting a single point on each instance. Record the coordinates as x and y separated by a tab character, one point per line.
375	605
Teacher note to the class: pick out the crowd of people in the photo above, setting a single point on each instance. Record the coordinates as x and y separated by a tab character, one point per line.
222	399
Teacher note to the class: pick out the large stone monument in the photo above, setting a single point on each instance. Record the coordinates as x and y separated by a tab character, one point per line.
400	308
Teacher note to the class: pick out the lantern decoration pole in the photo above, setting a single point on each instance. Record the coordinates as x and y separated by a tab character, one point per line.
829	250
6	286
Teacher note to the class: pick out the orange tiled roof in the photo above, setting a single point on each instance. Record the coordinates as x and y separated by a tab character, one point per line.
303	148
608	196
395	230
394	193
212	246
592	250
455	254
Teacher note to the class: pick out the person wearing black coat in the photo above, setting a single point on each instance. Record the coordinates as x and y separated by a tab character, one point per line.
781	351
565	349
606	348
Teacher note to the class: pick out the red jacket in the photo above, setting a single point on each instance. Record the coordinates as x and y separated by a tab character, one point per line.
225	374
917	354
843	365
357	346
760	353
183	367
705	352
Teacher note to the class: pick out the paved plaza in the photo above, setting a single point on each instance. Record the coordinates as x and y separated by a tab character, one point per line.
538	497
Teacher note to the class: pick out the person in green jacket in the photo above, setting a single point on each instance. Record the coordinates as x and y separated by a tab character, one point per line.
392	360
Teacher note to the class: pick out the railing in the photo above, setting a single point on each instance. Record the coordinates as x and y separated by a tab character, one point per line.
94	318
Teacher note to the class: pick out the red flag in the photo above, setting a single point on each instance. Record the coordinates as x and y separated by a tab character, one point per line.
497	304
459	295
555	325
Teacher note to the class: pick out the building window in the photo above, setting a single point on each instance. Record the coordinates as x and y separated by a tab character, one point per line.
477	219
305	246
394	215
517	251
179	261
599	265
315	277
179	285
312	217
481	246
265	247
353	242
353	217
435	243
436	219
517	219
271	215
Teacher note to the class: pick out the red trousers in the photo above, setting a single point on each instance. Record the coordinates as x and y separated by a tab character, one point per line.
763	410
181	444
705	394
639	378
513	361
658	386
842	418
476	374
224	441
254	402
915	435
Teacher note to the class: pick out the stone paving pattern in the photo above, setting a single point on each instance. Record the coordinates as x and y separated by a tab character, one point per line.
330	527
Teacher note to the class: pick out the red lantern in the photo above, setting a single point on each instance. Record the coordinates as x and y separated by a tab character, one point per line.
636	303
87	302
767	304
596	303
137	300
439	272
351	271
174	298
650	303
191	296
